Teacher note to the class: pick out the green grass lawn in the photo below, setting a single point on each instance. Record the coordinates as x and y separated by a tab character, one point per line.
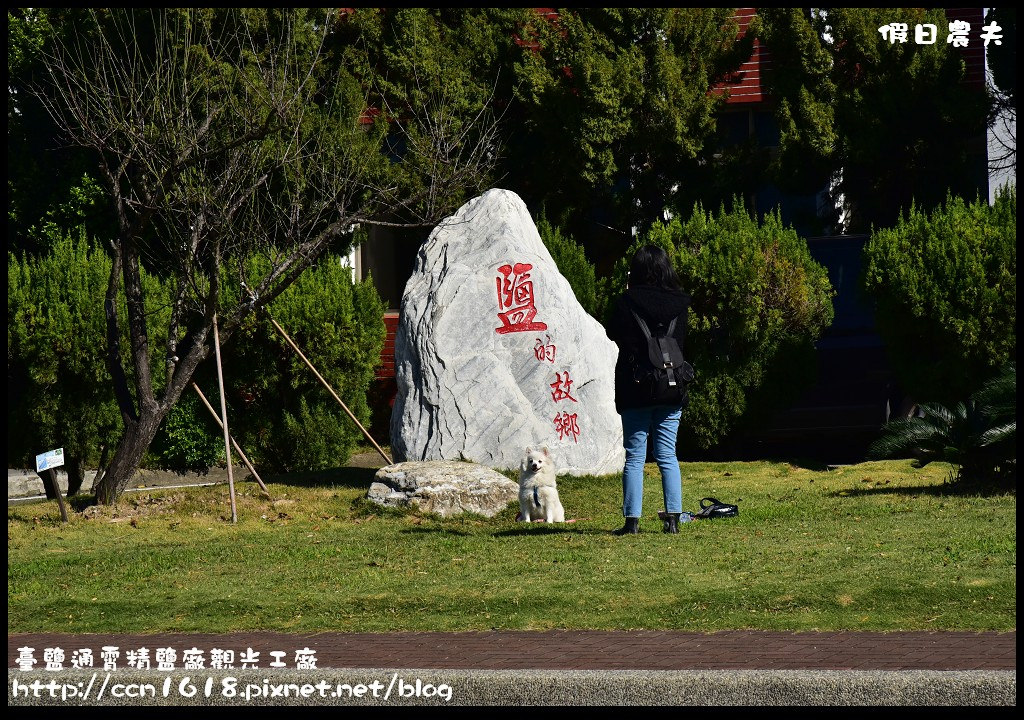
876	546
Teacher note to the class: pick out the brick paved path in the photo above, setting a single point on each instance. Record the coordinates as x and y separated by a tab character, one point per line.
582	649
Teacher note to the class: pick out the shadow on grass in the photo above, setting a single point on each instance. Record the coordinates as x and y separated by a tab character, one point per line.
348	477
546	529
79	503
949	489
433	530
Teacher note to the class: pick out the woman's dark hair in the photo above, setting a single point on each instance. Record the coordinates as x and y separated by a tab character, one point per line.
651	266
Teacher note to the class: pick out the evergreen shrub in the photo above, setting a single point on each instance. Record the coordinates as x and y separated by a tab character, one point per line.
572	262
944	285
60	393
283	416
59	389
759	302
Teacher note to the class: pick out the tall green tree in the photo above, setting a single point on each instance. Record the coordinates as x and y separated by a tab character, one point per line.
49	184
883	124
616	112
607	111
219	133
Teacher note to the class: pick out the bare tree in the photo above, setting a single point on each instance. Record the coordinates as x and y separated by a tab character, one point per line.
1001	83
1002	145
219	136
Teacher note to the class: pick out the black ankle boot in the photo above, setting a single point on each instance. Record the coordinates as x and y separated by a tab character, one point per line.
671	524
632	527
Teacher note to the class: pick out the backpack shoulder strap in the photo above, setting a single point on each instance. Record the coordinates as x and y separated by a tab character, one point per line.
643	325
647	331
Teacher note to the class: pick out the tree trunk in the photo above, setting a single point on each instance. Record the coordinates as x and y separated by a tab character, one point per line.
50	485
130	450
76	474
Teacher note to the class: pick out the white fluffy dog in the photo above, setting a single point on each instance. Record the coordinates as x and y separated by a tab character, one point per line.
538	492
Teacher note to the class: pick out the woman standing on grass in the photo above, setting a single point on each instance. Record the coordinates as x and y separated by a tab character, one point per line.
653	294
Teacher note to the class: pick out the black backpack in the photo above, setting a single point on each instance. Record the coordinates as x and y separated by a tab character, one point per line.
662	376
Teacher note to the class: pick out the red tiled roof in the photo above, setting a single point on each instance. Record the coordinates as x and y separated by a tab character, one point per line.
744	85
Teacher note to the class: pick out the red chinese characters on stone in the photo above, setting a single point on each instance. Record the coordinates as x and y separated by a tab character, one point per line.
516	300
544	352
566	426
561	388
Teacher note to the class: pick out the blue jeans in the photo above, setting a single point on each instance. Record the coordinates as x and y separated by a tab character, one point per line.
662	423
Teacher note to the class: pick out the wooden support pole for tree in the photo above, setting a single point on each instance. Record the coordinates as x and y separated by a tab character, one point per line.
330	390
224	419
233	443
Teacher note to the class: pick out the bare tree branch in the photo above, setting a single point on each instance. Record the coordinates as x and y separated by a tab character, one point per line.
1002	144
220	138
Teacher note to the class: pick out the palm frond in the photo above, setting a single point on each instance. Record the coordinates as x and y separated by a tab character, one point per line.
999	433
912	437
891	446
997	398
940	415
973	436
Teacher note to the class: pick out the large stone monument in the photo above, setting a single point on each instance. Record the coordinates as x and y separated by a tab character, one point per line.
493	352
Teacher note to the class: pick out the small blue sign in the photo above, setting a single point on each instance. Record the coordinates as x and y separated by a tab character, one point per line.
52	459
